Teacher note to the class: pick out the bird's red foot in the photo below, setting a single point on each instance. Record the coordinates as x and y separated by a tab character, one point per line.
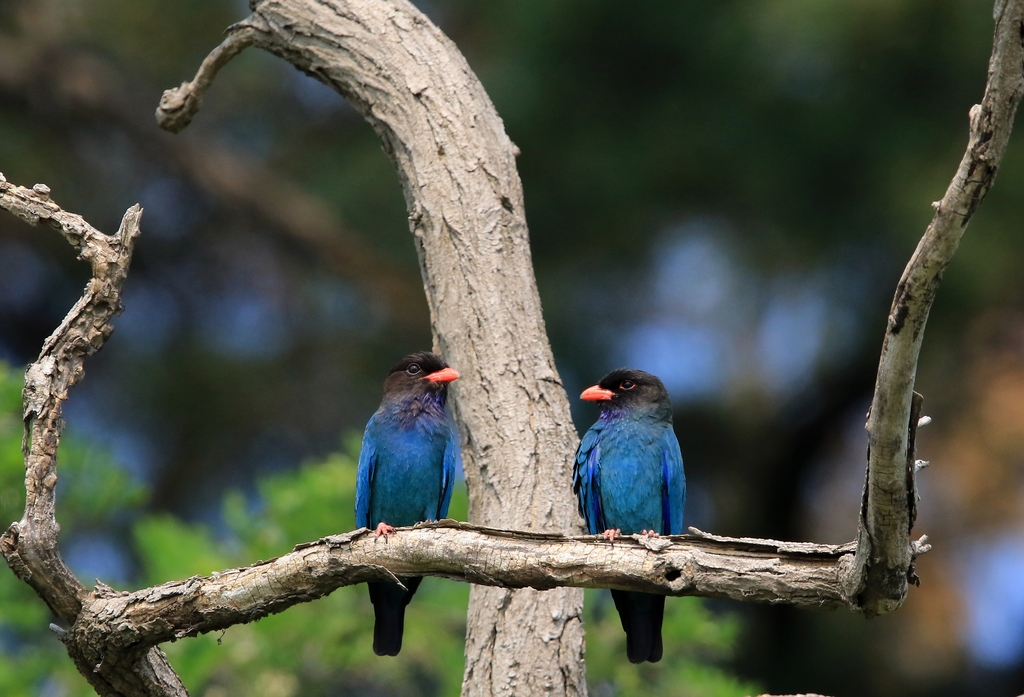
611	534
649	533
385	530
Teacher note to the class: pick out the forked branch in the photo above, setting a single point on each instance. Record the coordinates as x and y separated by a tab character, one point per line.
30	545
113	636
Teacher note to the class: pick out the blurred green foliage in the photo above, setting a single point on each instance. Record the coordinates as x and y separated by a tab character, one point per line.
696	641
318	648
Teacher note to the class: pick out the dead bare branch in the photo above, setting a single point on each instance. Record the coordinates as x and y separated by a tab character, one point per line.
801	574
466	213
885	552
178	106
30	545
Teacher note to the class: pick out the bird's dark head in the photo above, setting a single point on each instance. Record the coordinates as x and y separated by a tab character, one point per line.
419	374
627	390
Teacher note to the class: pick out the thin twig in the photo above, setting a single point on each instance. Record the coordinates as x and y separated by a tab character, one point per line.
179	104
49	72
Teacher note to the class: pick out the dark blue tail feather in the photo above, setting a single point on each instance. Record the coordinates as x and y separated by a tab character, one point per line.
389	601
641	615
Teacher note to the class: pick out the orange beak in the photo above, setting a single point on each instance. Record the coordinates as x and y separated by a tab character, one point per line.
596	394
443	375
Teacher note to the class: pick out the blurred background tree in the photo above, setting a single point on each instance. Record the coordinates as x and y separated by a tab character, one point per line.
721	193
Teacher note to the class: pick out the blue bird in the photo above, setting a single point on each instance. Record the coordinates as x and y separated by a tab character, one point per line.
407	464
629	479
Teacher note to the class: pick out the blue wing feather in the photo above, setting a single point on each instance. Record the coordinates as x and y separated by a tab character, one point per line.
451	464
587	480
673	491
364	477
596	516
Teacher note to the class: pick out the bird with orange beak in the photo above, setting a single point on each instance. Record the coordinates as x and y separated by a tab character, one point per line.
628	478
407	465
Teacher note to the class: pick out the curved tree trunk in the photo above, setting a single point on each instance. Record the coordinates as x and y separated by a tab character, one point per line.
465	202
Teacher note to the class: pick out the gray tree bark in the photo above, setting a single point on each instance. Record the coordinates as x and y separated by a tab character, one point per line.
467	216
802	574
889	511
466	213
30	545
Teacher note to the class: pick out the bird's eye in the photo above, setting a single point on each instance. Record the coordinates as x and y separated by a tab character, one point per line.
414	369
627	384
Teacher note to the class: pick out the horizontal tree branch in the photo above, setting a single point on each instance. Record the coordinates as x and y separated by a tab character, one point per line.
803	574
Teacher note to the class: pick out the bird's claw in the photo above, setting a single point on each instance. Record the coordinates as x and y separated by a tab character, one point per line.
611	534
383	530
650	533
